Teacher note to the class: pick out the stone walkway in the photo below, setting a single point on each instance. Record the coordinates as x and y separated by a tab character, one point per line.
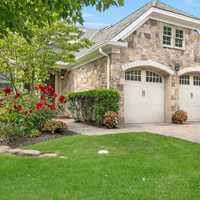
189	132
24	152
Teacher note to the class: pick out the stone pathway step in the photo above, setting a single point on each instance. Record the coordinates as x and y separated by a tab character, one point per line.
25	152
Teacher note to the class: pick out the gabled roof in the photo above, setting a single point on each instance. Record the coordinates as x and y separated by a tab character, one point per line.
104	35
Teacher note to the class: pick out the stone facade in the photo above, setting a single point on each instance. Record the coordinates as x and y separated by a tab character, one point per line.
144	44
89	76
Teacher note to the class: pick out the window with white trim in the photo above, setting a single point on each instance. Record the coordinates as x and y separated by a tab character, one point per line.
196	80
184	79
133	75
179	38
167	36
173	37
153	77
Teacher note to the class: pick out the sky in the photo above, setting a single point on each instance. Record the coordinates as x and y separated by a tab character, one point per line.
94	19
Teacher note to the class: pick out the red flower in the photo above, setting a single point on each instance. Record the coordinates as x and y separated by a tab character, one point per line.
40	88
19	108
39	106
43	98
55	95
62	99
17	95
7	90
30	111
52	106
49	89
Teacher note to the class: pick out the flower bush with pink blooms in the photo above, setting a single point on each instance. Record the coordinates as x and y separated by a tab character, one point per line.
22	113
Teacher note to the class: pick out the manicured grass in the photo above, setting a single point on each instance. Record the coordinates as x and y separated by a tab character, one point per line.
139	167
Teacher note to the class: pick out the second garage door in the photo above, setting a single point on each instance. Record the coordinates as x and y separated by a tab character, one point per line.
144	97
189	98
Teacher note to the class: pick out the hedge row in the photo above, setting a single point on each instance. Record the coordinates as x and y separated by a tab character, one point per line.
90	106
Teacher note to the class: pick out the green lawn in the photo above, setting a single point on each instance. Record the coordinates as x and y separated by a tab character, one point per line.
139	167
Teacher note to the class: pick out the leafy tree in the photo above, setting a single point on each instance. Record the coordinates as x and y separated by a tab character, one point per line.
29	62
21	15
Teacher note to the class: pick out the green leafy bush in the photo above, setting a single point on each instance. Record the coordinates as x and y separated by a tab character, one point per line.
90	106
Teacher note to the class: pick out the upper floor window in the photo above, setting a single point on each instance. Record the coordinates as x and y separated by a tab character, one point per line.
173	37
185	79
167	36
133	75
179	38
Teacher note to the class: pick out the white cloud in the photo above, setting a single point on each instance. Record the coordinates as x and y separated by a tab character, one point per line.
87	15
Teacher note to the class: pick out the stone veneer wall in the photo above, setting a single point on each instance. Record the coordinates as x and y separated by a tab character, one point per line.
89	76
146	44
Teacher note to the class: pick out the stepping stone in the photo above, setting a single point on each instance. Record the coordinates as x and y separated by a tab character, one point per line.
29	152
103	152
4	148
48	155
13	151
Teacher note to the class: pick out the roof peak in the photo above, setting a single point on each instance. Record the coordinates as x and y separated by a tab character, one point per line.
155	2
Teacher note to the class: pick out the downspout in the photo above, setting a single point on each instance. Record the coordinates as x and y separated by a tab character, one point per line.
107	67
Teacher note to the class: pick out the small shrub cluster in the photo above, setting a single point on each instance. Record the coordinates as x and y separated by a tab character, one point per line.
52	126
111	119
179	117
23	114
90	106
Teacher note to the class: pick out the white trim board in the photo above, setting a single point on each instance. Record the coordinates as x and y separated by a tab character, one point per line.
189	70
147	63
147	15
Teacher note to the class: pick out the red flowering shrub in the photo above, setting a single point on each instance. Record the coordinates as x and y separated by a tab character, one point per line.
62	99
111	119
39	106
27	112
7	90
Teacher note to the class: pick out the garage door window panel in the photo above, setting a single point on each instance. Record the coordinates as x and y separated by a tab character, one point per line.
133	75
153	77
196	80
185	79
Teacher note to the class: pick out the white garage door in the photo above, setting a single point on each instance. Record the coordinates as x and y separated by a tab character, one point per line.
190	96
144	97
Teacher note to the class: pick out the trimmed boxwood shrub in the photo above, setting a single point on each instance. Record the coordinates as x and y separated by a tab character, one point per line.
90	106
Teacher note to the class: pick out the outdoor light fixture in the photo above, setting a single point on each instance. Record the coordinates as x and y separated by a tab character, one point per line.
62	76
177	67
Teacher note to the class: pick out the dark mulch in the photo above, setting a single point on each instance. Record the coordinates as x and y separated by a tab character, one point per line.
21	141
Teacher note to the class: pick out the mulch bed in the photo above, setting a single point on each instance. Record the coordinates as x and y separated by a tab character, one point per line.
21	141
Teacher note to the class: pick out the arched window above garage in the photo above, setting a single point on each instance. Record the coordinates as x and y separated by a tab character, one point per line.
133	75
184	79
153	77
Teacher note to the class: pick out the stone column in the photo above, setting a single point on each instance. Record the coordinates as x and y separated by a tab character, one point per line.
119	56
58	83
171	96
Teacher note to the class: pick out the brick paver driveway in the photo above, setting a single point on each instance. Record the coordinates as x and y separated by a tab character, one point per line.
190	131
